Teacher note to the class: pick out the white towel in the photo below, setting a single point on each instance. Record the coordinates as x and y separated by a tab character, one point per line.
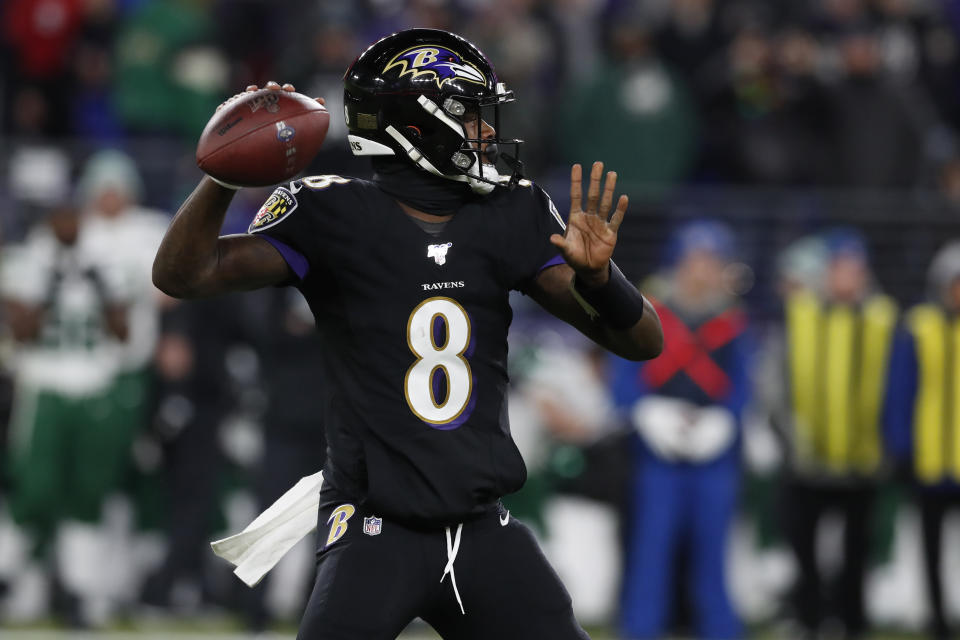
259	547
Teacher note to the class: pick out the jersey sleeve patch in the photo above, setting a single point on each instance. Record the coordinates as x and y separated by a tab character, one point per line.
279	205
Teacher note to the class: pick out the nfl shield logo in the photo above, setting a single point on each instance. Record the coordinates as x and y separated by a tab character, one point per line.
372	525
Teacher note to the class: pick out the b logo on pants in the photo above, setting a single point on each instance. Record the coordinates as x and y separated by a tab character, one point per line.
338	522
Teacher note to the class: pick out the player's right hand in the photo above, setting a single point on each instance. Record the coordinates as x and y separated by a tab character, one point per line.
588	241
273	86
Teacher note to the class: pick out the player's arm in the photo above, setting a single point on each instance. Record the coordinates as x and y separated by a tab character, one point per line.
641	341
589	292
194	261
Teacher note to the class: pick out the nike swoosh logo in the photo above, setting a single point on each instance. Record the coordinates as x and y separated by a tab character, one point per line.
504	519
294	187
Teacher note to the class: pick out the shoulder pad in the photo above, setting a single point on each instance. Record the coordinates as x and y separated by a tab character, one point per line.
534	198
285	199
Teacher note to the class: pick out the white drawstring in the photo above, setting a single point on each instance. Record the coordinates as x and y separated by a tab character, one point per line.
452	549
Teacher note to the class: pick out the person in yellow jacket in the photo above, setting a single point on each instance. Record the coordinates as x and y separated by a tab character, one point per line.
837	345
923	434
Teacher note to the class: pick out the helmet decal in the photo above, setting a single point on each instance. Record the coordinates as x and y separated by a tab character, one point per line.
445	65
407	96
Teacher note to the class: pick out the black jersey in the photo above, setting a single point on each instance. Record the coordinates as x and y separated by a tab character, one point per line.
415	334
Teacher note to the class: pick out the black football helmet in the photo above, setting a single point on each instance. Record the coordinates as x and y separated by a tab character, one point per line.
409	94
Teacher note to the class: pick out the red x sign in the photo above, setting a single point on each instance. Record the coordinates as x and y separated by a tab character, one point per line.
689	351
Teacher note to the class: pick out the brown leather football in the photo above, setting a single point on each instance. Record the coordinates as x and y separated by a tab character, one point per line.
260	138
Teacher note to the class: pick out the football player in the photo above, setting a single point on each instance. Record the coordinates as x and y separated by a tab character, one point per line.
408	277
68	308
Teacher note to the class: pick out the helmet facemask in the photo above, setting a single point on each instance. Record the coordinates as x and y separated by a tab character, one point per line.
442	146
478	155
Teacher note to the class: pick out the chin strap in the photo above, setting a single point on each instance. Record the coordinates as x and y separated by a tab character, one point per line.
488	172
484	170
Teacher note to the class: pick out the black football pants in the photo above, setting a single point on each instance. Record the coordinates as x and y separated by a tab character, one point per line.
374	578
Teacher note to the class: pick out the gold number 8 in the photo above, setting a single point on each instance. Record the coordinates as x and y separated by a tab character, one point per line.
448	357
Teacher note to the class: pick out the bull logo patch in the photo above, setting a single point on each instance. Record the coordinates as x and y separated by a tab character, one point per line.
440	63
439	252
280	203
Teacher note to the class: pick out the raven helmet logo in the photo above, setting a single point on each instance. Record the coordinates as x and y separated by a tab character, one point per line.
442	63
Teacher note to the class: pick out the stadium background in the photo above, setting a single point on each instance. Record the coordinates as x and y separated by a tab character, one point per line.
780	118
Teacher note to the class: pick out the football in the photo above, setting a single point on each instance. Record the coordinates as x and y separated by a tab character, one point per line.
260	138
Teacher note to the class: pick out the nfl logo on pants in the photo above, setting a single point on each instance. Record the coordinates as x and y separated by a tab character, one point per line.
372	525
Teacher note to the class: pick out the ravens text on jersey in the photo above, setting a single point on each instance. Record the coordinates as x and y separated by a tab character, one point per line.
415	327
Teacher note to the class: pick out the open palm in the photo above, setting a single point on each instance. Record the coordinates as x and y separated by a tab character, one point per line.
588	242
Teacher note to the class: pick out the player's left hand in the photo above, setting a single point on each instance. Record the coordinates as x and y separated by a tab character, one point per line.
588	242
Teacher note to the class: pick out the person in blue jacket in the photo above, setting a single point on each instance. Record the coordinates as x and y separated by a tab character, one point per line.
686	406
923	409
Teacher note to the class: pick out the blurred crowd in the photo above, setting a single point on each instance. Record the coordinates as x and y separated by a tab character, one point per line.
789	460
729	91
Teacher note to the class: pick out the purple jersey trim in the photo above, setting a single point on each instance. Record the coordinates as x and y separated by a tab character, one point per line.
294	258
555	260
